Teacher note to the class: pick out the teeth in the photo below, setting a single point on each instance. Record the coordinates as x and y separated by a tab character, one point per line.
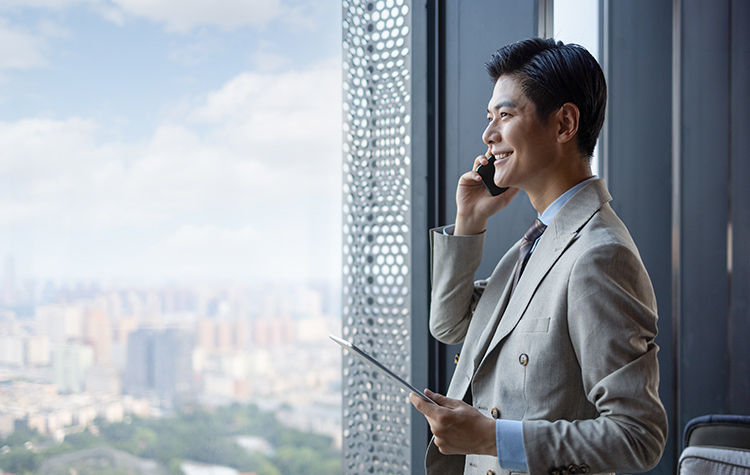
503	155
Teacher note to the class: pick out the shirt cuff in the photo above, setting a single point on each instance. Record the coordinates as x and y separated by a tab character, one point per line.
510	449
448	230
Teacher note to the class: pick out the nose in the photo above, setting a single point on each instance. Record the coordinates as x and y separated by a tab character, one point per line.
490	134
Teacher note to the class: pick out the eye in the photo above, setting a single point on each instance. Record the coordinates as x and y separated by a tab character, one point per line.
504	115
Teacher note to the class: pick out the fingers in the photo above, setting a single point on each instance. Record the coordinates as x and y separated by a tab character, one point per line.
470	178
480	160
473	176
425	407
422	406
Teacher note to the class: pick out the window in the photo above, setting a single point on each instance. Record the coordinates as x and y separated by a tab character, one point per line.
577	21
170	234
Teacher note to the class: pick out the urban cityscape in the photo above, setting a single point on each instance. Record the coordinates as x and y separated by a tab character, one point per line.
74	356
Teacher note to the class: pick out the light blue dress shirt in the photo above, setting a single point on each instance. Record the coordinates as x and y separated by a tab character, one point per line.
509	434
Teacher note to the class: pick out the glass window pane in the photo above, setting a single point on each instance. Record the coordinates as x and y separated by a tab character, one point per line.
170	235
577	21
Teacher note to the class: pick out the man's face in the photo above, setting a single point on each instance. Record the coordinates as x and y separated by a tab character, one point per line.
524	147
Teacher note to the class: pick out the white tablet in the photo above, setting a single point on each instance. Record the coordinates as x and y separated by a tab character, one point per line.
373	363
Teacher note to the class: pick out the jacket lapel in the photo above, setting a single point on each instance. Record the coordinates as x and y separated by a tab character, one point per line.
561	233
492	324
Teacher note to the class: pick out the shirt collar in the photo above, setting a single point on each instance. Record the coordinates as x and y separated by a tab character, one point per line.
549	213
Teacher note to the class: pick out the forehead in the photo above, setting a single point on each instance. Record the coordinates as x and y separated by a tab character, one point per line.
508	93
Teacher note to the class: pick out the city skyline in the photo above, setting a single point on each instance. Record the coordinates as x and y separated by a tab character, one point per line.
170	141
166	346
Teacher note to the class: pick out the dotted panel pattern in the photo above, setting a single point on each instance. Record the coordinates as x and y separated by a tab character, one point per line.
377	233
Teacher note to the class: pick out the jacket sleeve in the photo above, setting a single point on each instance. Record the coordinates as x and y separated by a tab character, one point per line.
612	325
453	262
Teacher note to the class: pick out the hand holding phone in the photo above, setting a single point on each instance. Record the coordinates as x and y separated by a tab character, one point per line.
487	172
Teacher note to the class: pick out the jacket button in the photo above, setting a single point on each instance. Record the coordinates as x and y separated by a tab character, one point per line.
456	358
495	413
584	468
490	472
523	359
573	469
554	471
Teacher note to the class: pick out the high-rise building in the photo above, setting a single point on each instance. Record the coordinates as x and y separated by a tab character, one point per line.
159	363
225	336
206	334
37	350
103	380
69	363
8	294
11	351
99	333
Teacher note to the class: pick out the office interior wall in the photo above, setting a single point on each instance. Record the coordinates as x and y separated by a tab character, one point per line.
711	218
637	138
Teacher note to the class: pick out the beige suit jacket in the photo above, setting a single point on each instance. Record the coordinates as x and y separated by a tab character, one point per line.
570	353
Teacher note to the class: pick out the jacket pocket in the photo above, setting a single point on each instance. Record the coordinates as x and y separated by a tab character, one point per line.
533	325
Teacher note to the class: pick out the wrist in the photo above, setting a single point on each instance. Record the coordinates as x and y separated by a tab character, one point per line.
490	446
467	226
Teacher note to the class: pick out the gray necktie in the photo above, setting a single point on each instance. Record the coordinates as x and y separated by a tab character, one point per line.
532	234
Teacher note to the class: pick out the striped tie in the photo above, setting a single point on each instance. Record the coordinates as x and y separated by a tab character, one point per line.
529	238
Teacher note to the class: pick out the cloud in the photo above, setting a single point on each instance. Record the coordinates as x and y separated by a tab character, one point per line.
43	4
267	60
260	140
290	119
36	145
181	16
50	29
244	252
20	49
245	181
178	16
196	52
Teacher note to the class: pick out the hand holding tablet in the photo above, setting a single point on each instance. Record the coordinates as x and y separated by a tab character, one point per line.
373	363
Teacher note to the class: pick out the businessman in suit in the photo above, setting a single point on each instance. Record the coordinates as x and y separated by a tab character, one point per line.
558	372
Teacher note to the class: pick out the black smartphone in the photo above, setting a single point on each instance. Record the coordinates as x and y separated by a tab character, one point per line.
487	172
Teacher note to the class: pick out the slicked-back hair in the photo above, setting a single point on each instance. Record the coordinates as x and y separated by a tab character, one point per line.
552	73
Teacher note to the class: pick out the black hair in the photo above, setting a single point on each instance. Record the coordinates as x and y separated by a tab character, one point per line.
552	73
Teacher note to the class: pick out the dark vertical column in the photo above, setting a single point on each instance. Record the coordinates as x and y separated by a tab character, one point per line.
702	159
637	154
421	217
739	173
471	35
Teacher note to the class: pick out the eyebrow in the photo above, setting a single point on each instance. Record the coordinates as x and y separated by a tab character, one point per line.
508	104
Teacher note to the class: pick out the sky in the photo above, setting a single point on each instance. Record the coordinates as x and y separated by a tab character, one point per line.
170	140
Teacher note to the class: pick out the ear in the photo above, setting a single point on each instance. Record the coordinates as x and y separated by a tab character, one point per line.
567	117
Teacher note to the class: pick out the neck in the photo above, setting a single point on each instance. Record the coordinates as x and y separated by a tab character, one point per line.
547	191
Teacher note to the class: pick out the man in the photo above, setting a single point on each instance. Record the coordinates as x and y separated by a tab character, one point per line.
558	373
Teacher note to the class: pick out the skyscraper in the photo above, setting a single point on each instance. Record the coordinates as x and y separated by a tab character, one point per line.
159	364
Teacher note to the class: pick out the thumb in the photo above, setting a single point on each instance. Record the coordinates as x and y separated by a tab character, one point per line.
438	398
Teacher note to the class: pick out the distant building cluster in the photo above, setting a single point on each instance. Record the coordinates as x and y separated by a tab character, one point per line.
40	407
69	355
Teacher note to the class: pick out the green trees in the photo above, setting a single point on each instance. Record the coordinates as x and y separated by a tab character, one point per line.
19	460
199	435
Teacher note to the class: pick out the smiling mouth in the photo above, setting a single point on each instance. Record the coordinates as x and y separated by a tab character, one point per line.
503	155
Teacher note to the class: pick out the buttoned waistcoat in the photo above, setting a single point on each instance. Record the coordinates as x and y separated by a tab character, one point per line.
570	352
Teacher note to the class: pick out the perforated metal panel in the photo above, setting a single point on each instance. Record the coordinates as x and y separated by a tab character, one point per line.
377	233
